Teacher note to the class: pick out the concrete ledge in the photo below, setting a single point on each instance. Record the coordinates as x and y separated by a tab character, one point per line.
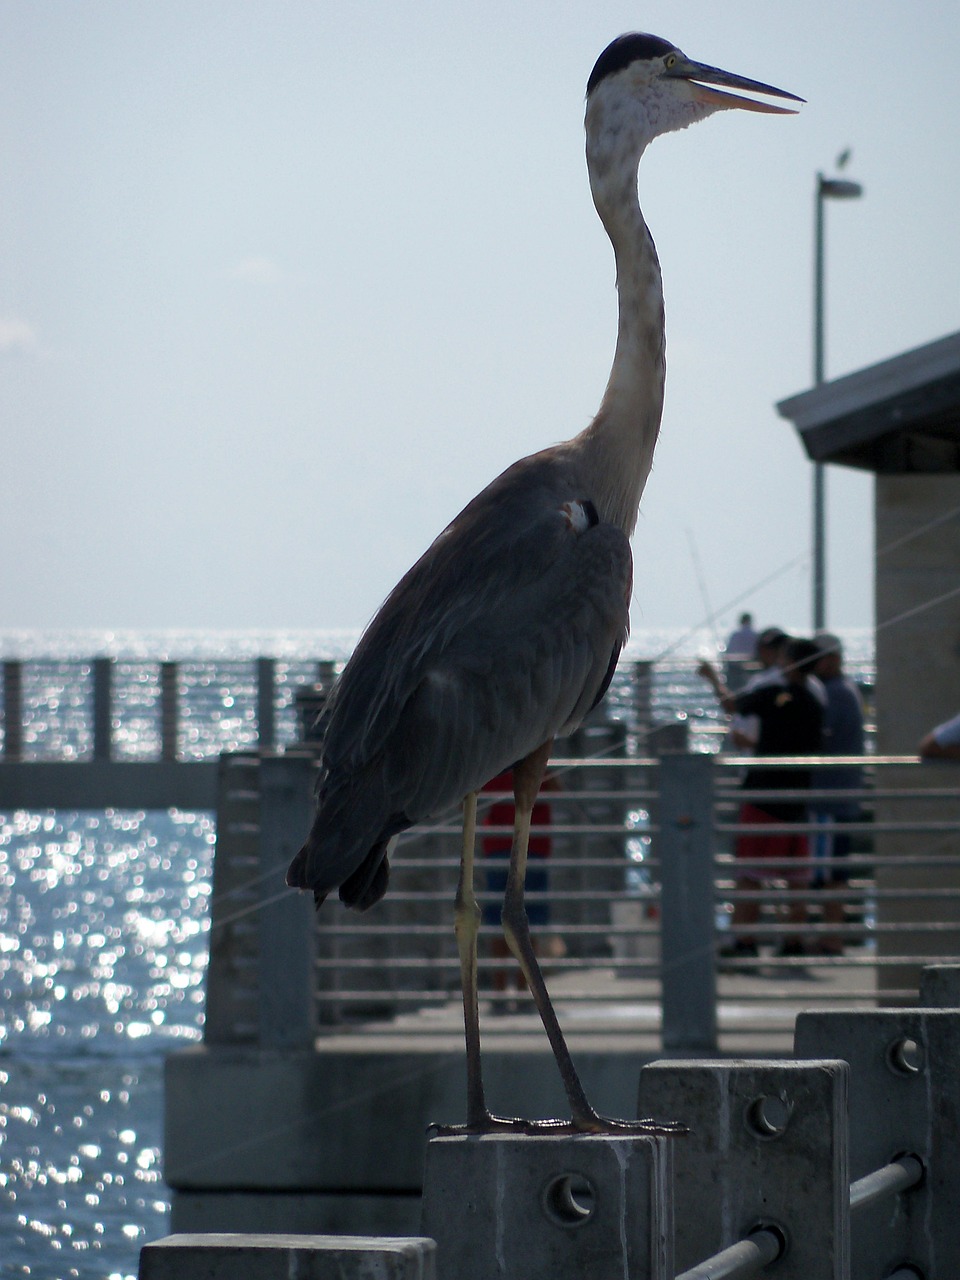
239	1120
108	784
295	1212
280	1257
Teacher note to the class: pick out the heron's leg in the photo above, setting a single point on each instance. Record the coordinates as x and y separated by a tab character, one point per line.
527	778
467	925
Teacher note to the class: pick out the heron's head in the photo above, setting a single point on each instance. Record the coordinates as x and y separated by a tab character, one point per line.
643	86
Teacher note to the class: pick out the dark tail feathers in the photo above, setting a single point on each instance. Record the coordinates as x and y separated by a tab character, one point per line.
361	889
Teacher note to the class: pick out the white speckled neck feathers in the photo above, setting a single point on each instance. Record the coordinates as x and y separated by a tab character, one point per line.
616	450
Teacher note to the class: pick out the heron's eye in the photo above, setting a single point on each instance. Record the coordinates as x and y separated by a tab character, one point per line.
670	61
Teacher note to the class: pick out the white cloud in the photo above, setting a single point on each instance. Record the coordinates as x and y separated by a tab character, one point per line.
256	270
17	336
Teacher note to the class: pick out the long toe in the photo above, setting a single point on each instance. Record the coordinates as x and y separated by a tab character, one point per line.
483	1124
594	1123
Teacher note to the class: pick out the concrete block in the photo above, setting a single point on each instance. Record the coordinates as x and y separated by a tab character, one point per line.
546	1206
940	986
264	1257
767	1147
904	1099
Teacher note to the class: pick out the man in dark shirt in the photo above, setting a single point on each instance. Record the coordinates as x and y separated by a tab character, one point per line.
791	724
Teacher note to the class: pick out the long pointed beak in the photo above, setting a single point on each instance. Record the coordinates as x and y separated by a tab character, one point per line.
701	77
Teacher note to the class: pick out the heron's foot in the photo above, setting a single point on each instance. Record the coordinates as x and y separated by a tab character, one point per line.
589	1122
479	1125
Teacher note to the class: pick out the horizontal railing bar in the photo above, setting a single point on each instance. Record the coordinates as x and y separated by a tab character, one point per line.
899	1175
852	828
442	930
569	963
599	896
401	864
740	1261
451	995
784	995
542	829
729	861
624	829
778	997
854	962
562	795
839	895
729	795
853	929
810	762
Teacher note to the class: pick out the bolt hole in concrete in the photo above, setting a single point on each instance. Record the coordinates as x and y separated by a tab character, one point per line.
905	1056
768	1117
569	1200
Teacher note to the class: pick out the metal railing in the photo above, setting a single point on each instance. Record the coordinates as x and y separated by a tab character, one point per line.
640	882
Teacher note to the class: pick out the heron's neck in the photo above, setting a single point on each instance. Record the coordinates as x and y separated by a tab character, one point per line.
618	445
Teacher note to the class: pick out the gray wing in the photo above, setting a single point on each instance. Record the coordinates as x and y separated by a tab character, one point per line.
501	636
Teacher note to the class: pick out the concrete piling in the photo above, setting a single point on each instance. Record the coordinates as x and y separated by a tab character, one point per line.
542	1206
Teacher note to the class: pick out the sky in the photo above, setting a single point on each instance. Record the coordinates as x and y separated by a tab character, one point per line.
283	286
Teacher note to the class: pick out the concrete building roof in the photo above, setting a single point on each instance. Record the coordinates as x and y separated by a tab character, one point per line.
902	415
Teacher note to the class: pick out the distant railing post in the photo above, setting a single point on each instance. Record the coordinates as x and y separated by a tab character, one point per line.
288	977
13	709
643	693
266	710
102	708
169	710
685	854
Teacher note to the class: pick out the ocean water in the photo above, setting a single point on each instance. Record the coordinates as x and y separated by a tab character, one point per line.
104	931
103	948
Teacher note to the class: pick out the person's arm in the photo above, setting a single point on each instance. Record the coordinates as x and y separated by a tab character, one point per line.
725	697
931	749
941	743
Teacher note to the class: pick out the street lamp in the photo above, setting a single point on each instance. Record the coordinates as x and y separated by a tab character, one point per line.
827	189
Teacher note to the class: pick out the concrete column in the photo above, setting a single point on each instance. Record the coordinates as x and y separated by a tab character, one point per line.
940	987
169	710
549	1207
231	1015
685	854
102	708
13	709
287	923
767	1148
266	703
904	1099
918	687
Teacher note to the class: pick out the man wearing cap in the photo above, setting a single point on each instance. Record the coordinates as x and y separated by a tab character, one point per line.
791	722
842	736
745	730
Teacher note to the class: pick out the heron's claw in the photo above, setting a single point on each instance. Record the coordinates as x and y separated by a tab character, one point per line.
486	1123
592	1123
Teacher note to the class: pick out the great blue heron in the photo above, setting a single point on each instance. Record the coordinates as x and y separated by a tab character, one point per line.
508	629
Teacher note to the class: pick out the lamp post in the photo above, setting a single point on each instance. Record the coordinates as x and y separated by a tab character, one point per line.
827	189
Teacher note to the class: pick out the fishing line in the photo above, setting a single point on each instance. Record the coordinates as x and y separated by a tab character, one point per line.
698	571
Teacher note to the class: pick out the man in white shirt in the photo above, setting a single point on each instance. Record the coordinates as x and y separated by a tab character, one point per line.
943	742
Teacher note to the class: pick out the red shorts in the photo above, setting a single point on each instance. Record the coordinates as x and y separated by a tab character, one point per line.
780	848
